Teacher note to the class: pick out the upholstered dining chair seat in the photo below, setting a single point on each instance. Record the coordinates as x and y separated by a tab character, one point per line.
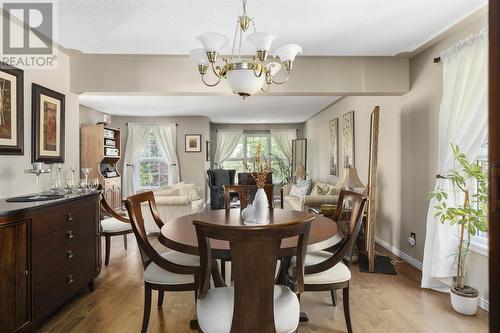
113	225
157	275
215	311
338	273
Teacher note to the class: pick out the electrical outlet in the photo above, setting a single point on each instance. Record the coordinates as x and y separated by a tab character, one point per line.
412	240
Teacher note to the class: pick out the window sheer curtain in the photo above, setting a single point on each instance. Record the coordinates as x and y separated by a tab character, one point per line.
283	138
462	120
166	140
227	140
136	139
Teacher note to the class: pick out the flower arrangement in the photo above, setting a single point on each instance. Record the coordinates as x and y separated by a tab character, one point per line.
261	167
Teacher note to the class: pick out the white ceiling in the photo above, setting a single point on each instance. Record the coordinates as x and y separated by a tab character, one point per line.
219	109
322	27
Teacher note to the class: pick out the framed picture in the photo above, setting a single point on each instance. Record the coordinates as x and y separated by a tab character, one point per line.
207	150
11	110
47	125
334	146
348	139
193	143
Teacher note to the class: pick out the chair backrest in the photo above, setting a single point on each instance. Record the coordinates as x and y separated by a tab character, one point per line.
254	252
245	193
110	211
148	252
349	217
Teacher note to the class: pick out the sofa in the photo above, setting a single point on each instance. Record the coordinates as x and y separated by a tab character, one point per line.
173	202
320	193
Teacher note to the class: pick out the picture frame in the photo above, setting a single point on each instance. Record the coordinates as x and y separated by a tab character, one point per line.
192	143
348	139
333	126
48	125
207	151
11	110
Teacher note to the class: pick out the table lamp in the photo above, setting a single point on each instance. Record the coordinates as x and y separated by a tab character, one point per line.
300	171
350	181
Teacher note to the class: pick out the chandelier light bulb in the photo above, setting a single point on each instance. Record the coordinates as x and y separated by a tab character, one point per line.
199	56
288	52
261	41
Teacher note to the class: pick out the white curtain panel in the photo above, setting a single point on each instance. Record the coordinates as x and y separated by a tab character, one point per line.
136	139
227	140
283	138
463	121
166	139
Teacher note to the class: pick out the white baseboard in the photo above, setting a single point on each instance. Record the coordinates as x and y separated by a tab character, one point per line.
397	252
483	303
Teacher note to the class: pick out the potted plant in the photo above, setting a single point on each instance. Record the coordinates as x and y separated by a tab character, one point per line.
469	182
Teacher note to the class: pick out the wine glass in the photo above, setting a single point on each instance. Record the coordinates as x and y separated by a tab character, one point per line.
86	173
69	185
83	185
94	184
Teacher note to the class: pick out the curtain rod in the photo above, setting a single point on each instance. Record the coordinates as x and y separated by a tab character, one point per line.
126	124
262	130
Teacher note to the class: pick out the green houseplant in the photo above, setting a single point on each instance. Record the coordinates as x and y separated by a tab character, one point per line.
469	181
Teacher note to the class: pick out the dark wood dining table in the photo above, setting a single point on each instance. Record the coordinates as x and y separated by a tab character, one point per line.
180	234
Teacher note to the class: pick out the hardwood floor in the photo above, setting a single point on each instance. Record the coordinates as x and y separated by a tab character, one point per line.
379	303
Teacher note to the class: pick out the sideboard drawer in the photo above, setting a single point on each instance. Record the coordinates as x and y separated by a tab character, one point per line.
65	281
59	257
61	216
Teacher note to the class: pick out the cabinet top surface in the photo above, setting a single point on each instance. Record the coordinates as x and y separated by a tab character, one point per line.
11	208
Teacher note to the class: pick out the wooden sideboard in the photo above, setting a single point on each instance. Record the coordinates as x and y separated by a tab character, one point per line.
48	253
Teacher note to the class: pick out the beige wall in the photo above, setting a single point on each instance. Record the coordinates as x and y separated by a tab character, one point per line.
408	150
89	115
13	180
178	75
192	166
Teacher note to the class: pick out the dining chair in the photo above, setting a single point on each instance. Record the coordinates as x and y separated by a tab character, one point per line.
114	225
254	303
170	271
328	270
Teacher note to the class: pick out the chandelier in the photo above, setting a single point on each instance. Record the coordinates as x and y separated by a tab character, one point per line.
245	77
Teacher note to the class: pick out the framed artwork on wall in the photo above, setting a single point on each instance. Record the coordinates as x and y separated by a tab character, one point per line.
193	143
207	150
348	139
48	108
11	110
334	146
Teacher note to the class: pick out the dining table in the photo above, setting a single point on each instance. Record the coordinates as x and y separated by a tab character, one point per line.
180	235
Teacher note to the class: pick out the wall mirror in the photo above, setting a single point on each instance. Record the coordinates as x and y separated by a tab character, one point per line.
299	158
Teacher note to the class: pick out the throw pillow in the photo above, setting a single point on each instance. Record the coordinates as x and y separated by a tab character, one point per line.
193	194
168	192
321	189
334	190
301	188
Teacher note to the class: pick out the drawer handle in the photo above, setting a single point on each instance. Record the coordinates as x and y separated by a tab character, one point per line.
69	217
69	279
69	234
69	254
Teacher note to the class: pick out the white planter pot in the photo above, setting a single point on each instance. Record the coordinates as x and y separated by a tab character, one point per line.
464	305
260	206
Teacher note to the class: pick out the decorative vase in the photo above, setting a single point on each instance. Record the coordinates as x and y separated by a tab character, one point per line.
464	304
260	206
248	214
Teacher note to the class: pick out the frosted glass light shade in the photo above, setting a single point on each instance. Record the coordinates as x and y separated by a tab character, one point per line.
244	82
213	41
288	52
273	68
199	56
261	41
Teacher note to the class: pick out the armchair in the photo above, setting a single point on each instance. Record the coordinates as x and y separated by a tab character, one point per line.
217	178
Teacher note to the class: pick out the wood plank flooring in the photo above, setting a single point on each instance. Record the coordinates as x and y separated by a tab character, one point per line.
379	303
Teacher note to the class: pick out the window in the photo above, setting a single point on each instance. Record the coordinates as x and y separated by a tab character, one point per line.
245	153
479	242
151	171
